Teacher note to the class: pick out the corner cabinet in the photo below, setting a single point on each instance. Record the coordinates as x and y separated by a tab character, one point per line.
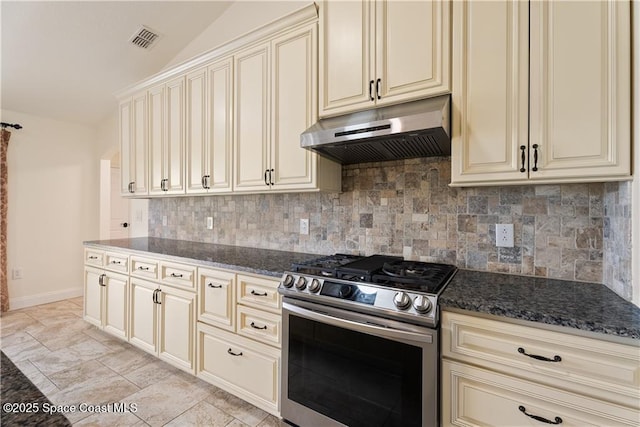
501	374
535	102
378	52
275	101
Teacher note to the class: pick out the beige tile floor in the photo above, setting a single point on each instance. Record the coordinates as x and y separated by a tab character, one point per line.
72	362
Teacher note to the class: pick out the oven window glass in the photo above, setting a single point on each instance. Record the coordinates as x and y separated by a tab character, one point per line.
354	378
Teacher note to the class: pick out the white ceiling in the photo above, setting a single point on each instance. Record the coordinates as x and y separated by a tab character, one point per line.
64	60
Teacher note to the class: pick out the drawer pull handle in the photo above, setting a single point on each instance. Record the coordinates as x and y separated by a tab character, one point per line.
211	285
176	275
234	354
116	262
253	325
557	420
556	358
93	257
258	294
143	268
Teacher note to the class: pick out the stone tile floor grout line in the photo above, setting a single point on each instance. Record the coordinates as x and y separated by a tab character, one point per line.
73	362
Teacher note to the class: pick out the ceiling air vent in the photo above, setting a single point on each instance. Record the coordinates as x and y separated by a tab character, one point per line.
144	38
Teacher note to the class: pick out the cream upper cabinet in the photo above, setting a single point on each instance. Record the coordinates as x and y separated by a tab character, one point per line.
276	100
209	97
252	124
134	146
382	52
580	90
167	137
540	96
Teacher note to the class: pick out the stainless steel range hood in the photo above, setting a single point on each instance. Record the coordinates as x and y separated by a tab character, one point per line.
413	129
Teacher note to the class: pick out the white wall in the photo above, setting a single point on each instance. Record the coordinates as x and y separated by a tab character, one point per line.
239	19
53	207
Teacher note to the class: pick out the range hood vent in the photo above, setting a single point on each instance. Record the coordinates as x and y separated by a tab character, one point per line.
414	129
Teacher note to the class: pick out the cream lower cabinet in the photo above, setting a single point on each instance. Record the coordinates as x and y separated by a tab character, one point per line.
239	335
535	103
163	322
501	374
241	366
106	296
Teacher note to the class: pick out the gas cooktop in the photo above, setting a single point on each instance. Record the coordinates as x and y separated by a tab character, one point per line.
385	285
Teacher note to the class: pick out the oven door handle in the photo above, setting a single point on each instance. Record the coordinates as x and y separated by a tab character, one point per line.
368	328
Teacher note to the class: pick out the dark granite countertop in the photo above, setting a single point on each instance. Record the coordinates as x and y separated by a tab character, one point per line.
581	307
589	307
267	262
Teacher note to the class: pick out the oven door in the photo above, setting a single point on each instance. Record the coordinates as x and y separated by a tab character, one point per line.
345	368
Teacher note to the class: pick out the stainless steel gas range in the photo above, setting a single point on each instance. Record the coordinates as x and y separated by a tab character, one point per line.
360	341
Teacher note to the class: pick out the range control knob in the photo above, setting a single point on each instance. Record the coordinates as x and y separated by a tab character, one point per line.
314	286
422	304
402	300
288	281
301	283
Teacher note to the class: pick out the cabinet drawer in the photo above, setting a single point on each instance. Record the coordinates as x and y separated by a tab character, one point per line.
144	267
181	275
242	366
94	257
260	325
584	365
217	298
477	397
259	292
117	262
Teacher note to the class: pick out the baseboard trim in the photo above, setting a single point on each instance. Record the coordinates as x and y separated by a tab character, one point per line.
31	300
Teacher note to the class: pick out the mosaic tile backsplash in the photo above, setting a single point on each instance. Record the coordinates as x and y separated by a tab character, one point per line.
571	231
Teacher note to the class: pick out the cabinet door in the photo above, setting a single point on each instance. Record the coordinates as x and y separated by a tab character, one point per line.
133	146
580	89
346	56
143	315
252	118
92	296
412	49
490	91
220	126
293	106
478	397
116	304
177	327
156	139
126	156
196	141
175	135
217	303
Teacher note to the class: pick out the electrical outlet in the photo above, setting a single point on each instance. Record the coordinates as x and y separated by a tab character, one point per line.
504	235
304	226
16	274
209	223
